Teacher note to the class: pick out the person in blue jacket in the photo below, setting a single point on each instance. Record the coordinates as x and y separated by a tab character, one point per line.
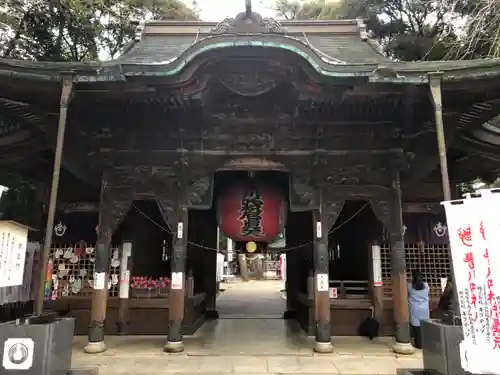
418	300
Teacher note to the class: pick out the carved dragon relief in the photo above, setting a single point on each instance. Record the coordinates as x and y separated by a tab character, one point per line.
249	82
254	142
357	174
303	197
200	193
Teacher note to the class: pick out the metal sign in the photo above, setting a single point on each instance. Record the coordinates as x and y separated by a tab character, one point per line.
18	354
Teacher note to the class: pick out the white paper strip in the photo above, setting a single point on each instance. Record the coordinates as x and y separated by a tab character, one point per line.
322	282
177	280
99	280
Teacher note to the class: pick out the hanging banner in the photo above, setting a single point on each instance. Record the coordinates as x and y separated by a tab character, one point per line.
489	235
470	249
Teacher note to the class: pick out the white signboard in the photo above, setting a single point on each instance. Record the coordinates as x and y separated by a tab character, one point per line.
177	280
220	266
124	284
474	233
180	230
124	287
333	292
13	242
319	231
377	266
322	282
283	266
18	354
99	280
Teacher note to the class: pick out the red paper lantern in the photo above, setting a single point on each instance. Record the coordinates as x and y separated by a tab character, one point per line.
252	212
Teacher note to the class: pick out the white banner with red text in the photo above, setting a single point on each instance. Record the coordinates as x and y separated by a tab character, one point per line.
474	233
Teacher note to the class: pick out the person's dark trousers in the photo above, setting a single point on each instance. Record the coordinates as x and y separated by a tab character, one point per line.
417	337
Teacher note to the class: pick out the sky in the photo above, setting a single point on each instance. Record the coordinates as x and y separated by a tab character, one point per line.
217	10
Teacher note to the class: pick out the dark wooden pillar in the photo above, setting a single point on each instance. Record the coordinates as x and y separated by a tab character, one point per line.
210	280
323	219
112	210
390	213
289	283
293	242
175	343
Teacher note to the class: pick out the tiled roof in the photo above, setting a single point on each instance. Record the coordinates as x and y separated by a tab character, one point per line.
340	40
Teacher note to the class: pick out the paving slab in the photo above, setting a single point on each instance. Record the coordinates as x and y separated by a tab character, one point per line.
250	338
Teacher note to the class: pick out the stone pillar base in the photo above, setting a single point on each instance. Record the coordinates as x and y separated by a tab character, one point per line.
403	348
95	347
174	347
323	347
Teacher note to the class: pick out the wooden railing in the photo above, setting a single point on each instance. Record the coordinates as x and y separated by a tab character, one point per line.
351	288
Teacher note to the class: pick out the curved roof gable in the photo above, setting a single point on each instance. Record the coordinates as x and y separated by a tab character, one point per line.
342	42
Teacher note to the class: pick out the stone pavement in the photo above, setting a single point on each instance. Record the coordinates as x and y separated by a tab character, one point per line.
249	338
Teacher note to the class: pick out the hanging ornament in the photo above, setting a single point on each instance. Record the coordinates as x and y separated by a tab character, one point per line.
80	248
252	211
251	246
440	229
60	229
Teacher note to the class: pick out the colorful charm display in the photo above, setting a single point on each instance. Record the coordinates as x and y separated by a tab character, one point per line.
252	212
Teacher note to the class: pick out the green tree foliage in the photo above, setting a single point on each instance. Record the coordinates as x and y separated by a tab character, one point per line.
409	30
414	30
480	35
76	30
69	30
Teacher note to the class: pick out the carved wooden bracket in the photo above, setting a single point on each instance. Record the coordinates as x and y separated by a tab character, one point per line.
330	212
114	205
303	197
389	213
167	207
198	195
382	210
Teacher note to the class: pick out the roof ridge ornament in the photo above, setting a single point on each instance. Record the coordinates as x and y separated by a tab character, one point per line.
248	6
248	22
